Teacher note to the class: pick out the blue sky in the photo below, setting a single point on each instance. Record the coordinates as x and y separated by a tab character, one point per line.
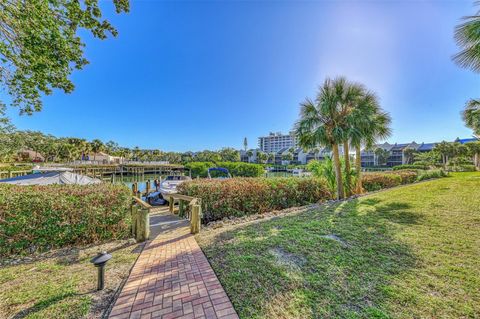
204	75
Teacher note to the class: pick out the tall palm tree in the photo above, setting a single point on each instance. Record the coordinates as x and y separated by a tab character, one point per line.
323	121
351	95
96	146
467	36
471	116
368	123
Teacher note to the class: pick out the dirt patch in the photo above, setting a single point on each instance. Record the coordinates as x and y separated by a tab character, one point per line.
338	239
285	259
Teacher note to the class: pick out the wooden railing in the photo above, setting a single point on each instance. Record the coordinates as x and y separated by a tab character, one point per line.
141	211
195	206
10	174
140	219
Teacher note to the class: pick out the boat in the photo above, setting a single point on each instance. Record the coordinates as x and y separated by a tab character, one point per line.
169	184
219	169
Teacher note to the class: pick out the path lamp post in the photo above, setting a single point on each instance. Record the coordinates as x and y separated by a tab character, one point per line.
100	261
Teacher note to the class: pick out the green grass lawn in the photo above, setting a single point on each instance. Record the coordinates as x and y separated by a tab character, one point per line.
63	283
408	252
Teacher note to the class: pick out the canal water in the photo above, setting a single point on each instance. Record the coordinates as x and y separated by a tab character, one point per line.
140	179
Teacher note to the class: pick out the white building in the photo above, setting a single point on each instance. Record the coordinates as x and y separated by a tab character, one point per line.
274	142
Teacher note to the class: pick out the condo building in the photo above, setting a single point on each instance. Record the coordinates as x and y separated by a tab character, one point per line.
275	142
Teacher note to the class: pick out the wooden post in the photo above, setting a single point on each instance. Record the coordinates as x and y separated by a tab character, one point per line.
134	220
143	225
139	194
195	221
10	174
133	190
171	203
147	187
181	208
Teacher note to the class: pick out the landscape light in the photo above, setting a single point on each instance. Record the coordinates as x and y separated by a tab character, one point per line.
100	261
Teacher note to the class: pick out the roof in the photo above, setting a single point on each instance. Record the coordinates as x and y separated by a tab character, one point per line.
398	147
465	140
61	178
425	147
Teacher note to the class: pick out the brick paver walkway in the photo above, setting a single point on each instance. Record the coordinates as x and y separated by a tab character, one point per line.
172	279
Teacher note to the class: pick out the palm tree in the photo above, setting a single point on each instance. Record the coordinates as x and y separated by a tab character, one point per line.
467	36
382	155
471	116
474	150
446	150
96	146
323	121
369	123
351	98
409	154
249	154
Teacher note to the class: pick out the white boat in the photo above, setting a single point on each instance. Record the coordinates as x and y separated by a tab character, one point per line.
169	184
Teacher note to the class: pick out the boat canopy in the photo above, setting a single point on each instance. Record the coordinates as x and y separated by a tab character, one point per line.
61	178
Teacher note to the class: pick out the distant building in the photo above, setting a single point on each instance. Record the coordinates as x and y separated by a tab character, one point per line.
396	152
102	158
299	156
275	142
30	155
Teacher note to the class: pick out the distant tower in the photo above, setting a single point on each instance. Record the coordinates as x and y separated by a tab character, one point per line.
245	144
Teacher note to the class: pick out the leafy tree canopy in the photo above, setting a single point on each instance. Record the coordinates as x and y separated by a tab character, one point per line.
40	46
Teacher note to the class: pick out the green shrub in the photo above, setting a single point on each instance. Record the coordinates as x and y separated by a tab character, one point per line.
431	174
406	176
238	169
199	169
462	168
376	181
246	196
20	167
241	169
410	166
43	217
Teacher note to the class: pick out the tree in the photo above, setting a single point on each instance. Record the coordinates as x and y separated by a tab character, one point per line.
228	154
368	124
245	144
271	157
467	36
348	96
5	125
249	154
323	122
382	155
409	154
96	147
262	157
471	116
474	150
449	151
40	45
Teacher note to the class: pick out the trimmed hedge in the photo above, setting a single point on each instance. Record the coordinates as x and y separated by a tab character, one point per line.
377	181
199	168
38	218
237	169
410	166
431	174
246	196
241	169
462	168
406	176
